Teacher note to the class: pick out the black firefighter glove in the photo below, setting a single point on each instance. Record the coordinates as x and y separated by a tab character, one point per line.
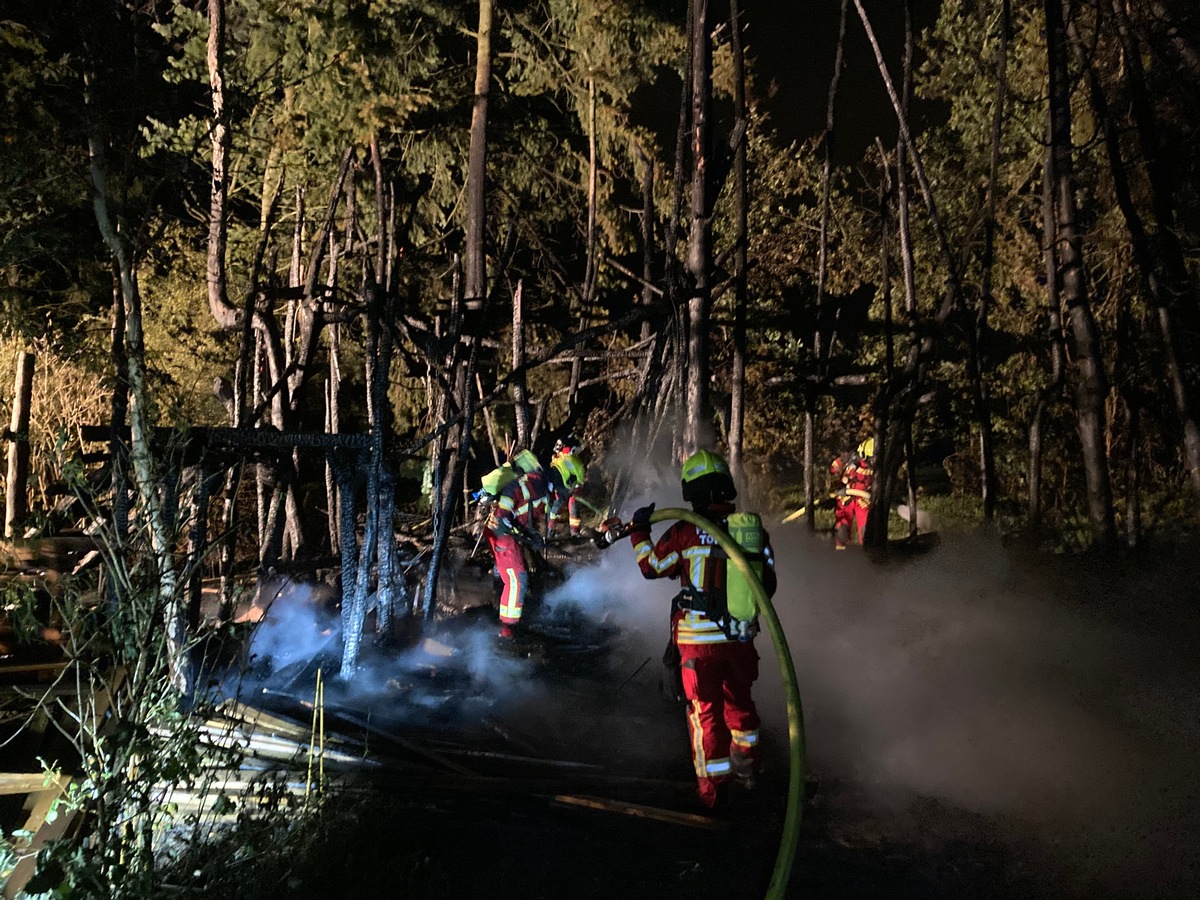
641	518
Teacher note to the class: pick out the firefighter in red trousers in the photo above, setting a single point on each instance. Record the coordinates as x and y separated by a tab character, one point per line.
517	520
718	669
855	471
567	459
567	474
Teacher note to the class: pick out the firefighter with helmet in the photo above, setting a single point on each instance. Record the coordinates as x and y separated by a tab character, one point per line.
517	520
568	473
717	665
856	472
569	452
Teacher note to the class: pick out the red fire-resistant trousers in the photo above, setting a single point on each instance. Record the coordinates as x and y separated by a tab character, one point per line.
510	566
722	720
848	516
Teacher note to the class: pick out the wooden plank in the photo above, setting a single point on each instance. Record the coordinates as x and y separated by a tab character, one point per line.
28	782
43	832
406	745
260	721
46	668
520	760
637	810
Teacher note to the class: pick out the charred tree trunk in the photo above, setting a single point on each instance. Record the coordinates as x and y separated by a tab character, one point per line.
520	393
1090	381
699	255
16	505
377	547
354	604
382	307
737	400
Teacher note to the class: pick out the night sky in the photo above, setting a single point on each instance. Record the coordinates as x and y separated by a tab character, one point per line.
794	45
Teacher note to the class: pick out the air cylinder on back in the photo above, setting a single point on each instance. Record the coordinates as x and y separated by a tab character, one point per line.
746	529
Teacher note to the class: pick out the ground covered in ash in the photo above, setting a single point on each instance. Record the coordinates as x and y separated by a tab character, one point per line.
983	721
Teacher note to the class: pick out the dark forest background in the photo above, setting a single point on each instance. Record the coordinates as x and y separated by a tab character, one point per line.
1003	290
291	275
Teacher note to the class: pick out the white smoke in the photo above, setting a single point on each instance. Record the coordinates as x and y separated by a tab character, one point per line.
1017	688
611	589
296	625
1057	698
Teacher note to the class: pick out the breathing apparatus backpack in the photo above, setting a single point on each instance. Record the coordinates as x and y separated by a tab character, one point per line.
494	481
746	529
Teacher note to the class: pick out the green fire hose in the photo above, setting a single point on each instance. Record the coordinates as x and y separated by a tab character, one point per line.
795	714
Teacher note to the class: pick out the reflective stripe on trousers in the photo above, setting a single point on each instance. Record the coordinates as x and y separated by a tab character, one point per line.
722	718
512	597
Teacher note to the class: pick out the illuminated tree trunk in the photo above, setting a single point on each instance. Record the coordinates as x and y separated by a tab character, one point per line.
169	599
1054	334
817	358
520	392
1173	291
979	385
450	462
1090	381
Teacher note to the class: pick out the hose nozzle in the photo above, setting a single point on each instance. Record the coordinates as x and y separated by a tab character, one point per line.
610	531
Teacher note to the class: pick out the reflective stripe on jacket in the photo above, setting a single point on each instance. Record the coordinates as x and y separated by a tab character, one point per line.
694	557
523	505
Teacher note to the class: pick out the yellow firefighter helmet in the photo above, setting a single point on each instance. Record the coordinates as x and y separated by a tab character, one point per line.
705	478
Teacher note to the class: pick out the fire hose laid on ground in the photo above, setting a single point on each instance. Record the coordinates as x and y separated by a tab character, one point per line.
791	824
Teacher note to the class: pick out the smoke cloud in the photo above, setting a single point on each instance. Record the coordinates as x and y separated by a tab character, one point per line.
1051	702
1033	690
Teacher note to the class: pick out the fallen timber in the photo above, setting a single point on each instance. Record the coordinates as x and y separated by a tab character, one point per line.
258	751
